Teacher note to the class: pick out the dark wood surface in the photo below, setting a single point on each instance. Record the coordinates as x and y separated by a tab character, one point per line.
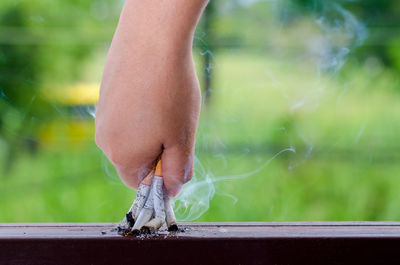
204	243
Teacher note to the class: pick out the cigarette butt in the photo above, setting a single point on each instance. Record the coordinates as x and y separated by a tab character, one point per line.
152	226
124	227
166	210
158	203
142	195
158	197
127	223
146	213
144	217
169	214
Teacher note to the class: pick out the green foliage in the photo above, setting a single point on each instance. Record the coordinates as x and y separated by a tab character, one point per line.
352	172
44	45
268	97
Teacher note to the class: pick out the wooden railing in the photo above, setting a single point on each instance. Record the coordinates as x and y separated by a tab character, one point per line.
204	243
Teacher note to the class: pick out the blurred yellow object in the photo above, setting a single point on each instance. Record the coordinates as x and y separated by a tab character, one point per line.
74	132
74	95
66	134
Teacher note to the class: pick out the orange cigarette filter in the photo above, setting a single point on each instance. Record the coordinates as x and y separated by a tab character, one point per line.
155	170
158	172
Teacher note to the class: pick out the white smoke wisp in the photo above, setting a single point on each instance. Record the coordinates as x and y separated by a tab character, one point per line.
91	110
342	32
195	198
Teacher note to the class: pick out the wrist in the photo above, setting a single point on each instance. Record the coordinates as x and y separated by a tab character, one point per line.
161	24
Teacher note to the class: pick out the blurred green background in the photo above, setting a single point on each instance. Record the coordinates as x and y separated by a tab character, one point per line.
301	114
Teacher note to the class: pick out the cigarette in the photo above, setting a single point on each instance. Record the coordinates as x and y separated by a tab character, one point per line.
152	226
158	203
127	223
124	227
141	196
169	214
144	216
146	212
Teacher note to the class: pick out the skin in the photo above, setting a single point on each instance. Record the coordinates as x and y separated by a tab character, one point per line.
150	97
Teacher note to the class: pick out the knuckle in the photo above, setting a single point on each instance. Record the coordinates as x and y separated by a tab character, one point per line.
111	147
129	181
131	175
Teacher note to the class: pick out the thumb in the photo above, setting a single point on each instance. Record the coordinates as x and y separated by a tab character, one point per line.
177	168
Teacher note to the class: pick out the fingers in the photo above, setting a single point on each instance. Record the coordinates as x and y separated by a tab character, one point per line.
133	154
177	167
133	174
132	159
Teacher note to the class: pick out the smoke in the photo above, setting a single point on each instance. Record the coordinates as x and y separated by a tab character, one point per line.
91	110
195	198
340	33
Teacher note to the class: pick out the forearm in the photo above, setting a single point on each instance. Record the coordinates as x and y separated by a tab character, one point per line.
166	24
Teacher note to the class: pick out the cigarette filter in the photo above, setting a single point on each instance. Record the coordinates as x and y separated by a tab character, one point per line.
158	202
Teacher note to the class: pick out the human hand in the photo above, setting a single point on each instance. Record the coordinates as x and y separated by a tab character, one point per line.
149	100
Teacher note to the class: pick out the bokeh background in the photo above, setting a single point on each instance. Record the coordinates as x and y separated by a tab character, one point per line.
300	121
